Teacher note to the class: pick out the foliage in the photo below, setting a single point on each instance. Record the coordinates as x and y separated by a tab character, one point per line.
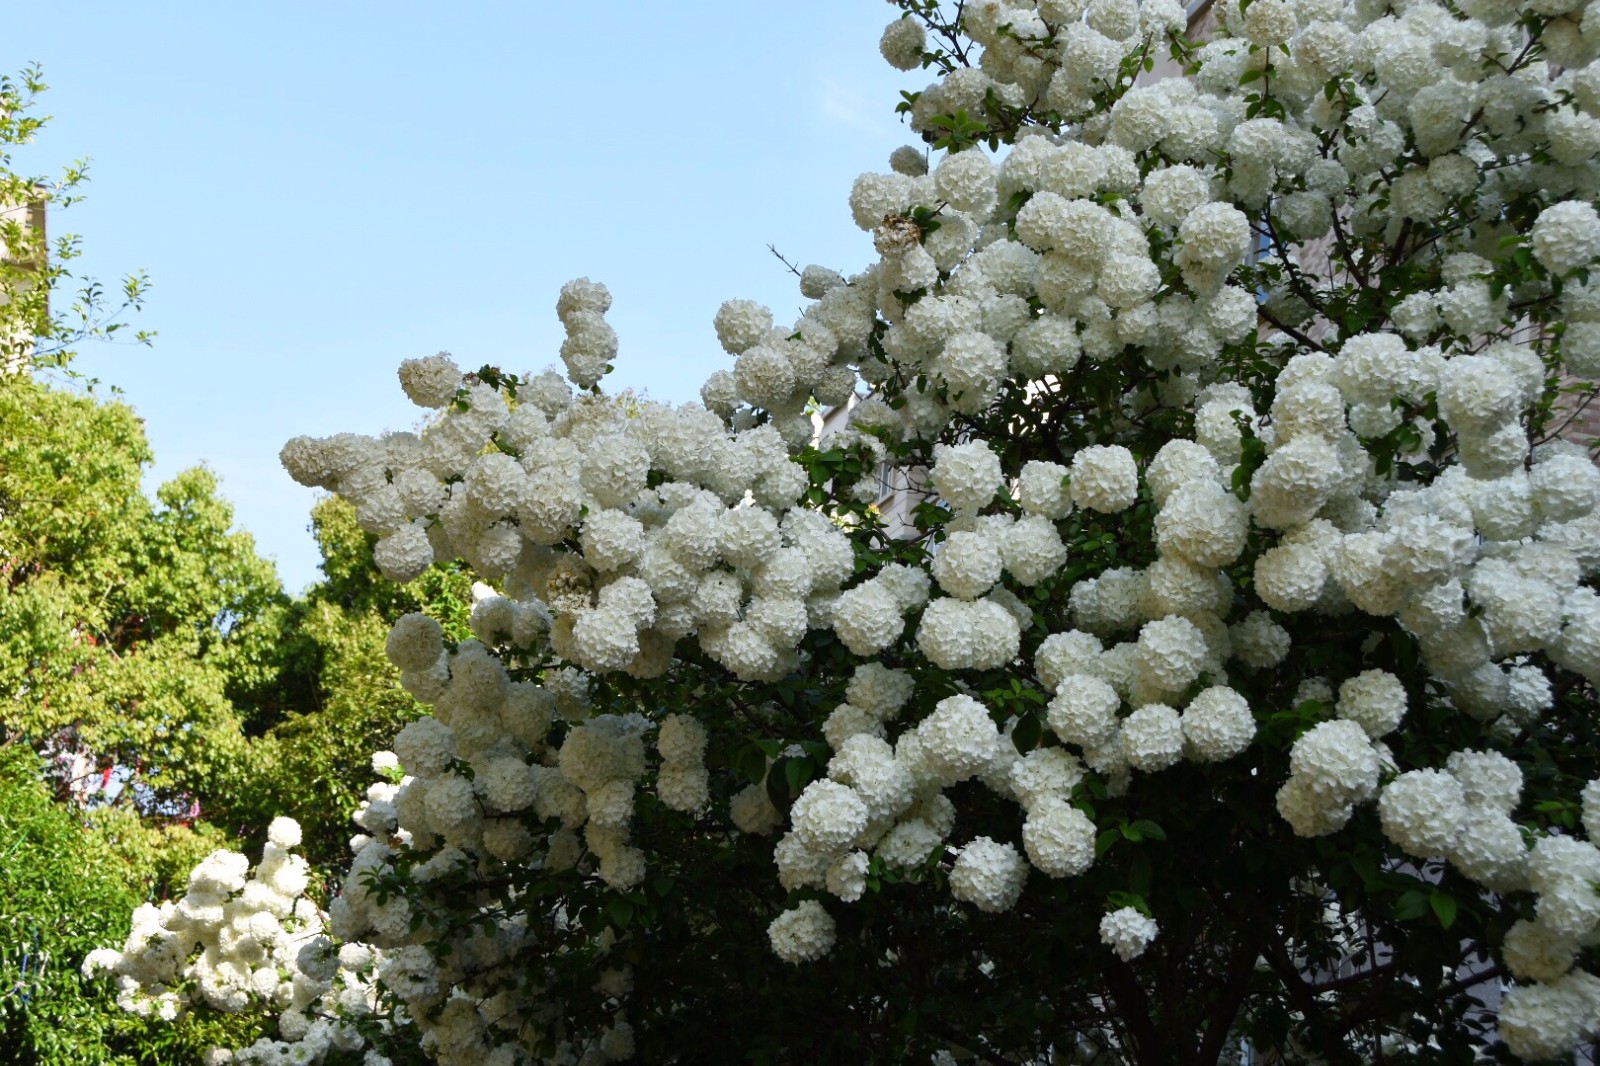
36	274
69	882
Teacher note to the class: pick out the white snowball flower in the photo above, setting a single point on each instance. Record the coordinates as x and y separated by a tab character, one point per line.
1104	478
968	564
1423	812
867	618
1179	463
827	816
1547	1021
966	476
284	832
902	43
1217	724
1373	699
1042	490
1084	711
1127	932
1172	653
431	382
1032	550
960	635
1152	737
1566	236
958	740
803	934
989	875
1058	837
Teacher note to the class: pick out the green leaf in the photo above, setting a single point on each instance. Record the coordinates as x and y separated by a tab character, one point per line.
1444	906
798	774
1150	830
620	911
1411	905
752	764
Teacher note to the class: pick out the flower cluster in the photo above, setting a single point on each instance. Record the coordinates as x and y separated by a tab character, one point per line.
1252	519
242	938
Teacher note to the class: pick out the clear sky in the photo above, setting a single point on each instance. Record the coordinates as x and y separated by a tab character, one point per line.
321	190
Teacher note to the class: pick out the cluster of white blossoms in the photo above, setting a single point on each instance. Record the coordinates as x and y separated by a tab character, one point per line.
242	938
1140	266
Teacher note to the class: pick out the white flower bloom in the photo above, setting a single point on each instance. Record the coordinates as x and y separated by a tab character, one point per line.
1127	932
966	476
902	44
803	934
1058	837
1375	700
1423	811
1566	236
1152	737
960	635
1104	479
1217	724
988	875
431	382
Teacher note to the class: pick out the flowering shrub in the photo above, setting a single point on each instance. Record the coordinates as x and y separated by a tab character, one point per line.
1234	685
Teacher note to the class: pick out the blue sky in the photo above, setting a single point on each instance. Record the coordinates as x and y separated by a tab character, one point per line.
319	191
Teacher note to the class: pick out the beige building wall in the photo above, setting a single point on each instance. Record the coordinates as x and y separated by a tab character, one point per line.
16	340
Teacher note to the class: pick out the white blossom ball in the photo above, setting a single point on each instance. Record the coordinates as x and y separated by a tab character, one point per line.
1258	641
404	555
1177	464
1217	724
1373	699
1337	763
967	181
1548	1021
902	43
1058	837
1487	778
1172	653
1422	811
879	690
1032	550
1170	193
430	382
415	642
1042	488
961	635
1566	236
1152	737
741	325
1564	487
1128	932
1104	478
284	832
968	564
1203	523
1063	654
827	816
611	539
803	934
1535	952
958	740
1084	711
1477	393
867	618
966	476
1291	576
989	875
